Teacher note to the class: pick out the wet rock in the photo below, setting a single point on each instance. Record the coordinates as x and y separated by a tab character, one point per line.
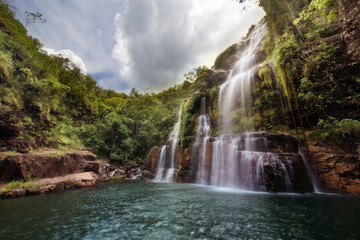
72	181
47	189
15	193
92	166
148	174
338	169
152	158
117	171
283	168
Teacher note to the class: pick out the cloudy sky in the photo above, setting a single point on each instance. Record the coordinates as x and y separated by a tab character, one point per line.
143	44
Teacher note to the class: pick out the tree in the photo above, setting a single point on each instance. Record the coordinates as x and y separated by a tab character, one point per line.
33	17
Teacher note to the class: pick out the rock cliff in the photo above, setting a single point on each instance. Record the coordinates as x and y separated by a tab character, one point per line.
50	170
338	168
349	16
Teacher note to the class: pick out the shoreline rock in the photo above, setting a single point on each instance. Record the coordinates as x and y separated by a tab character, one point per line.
56	170
49	185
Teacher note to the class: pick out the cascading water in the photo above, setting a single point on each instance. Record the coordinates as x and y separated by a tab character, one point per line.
161	164
202	140
236	91
310	171
238	159
244	160
164	173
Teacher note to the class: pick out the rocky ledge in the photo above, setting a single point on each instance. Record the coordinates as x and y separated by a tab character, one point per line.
48	185
51	170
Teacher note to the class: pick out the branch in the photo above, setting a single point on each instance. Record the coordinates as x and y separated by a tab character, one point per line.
33	17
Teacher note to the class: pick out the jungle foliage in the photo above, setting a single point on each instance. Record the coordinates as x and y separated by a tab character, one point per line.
45	98
305	79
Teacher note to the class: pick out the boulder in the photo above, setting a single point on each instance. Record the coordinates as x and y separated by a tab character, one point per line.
45	164
15	193
148	174
92	166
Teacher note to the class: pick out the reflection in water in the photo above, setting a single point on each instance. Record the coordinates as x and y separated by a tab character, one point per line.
149	210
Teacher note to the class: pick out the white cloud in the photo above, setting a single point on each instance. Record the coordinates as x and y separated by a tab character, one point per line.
158	41
67	53
99	32
84	26
140	43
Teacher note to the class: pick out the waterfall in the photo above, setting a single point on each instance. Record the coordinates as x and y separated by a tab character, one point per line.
241	158
236	160
236	91
201	142
164	173
161	164
309	170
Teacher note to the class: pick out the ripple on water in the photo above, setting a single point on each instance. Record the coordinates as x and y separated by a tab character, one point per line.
154	210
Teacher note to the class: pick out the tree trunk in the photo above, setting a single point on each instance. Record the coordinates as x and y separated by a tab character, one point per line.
293	15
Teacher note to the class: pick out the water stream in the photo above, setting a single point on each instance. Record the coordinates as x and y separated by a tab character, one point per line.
201	142
163	172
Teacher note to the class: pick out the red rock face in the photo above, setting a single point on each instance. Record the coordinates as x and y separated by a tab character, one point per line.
46	165
152	159
337	169
185	160
179	155
182	174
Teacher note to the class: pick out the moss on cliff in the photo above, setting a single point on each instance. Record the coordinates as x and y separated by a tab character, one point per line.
306	66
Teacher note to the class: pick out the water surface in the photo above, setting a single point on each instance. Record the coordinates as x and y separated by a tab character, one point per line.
153	210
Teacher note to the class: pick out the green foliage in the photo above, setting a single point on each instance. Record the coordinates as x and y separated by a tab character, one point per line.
30	186
319	12
8	153
204	85
66	134
265	74
131	164
223	61
10	186
341	131
304	71
6	65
